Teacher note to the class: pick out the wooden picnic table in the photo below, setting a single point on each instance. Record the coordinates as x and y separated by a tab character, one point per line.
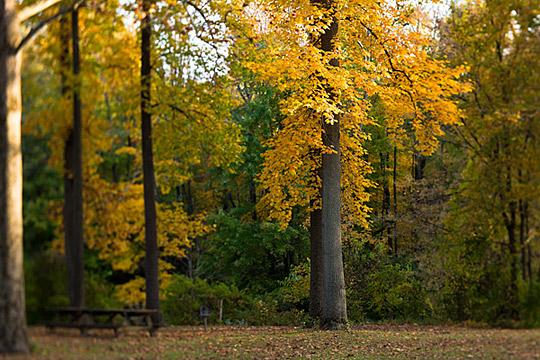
83	318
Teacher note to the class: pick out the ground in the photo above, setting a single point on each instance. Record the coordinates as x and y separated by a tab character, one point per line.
365	342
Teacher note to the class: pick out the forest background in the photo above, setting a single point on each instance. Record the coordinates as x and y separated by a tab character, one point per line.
441	169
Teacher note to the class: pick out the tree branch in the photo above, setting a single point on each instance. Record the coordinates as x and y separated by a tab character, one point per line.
36	28
34	9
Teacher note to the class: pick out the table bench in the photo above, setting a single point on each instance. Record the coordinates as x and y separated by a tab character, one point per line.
87	318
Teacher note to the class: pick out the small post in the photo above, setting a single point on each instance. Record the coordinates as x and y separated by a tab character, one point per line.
220	310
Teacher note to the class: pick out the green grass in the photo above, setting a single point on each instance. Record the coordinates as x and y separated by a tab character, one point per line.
366	342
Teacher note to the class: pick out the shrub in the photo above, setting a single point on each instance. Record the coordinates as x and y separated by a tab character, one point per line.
383	287
530	304
184	298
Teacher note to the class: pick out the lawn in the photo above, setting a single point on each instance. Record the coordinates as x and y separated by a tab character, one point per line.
365	342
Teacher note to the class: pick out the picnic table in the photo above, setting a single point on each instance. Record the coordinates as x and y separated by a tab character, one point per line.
87	318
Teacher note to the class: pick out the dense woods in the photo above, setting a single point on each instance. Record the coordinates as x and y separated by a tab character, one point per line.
314	162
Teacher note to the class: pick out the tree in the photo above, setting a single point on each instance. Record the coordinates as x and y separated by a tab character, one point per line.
73	180
334	307
498	135
13	336
150	225
379	56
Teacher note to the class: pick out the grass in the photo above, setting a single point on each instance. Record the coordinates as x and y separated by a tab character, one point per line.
365	342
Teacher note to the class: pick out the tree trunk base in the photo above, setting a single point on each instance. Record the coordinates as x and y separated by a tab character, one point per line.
334	325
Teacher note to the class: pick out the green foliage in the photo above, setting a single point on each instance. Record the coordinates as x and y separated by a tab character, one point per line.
252	255
294	289
396	293
269	311
381	287
184	298
530	304
42	185
46	287
258	118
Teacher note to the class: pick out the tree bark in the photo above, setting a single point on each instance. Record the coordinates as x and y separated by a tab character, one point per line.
509	217
385	206
394	188
316	265
151	256
334	305
419	164
13	337
523	238
65	36
73	182
510	222
253	198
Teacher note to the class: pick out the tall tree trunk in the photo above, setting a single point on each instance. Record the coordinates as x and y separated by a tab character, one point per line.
385	208
512	249
13	336
253	198
65	68
394	189
334	305
316	250
529	251
151	256
316	265
73	182
193	252
509	217
523	238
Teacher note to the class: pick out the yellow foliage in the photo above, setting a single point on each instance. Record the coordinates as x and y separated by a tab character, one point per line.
378	55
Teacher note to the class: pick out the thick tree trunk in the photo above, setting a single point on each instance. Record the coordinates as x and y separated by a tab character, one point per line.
334	305
13	336
151	257
419	164
316	265
334	308
73	182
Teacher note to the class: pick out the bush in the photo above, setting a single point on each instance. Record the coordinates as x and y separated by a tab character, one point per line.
268	311
396	293
252	255
184	298
530	304
294	290
382	287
